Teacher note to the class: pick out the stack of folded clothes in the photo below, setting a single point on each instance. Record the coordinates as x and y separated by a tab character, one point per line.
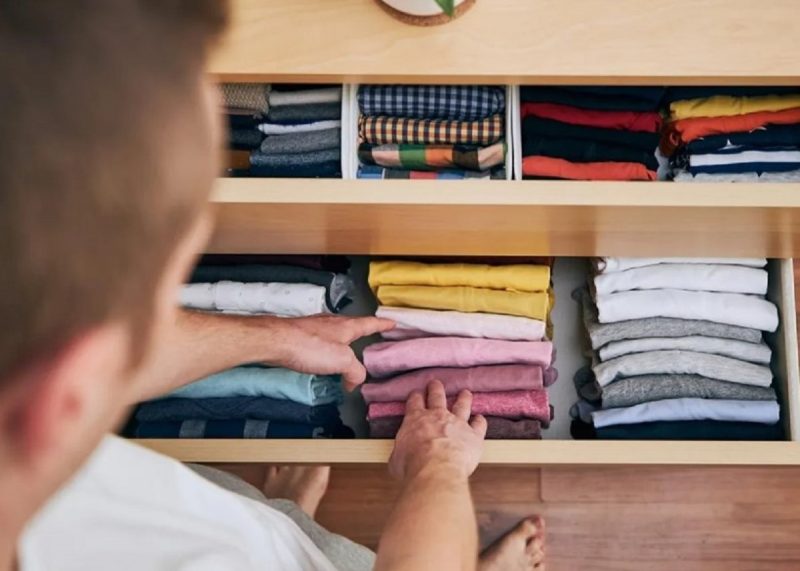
678	351
431	132
472	326
284	130
733	134
289	286
255	401
590	133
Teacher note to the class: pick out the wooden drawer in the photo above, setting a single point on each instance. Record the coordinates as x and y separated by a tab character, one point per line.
557	448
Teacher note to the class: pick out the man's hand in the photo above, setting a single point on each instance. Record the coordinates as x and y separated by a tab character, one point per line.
435	440
320	345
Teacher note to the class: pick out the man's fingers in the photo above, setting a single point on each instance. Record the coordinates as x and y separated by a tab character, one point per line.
462	408
415	403
353	373
436	395
479	425
358	327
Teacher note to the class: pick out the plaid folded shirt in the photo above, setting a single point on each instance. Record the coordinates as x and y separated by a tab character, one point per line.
433	157
383	130
464	102
374	172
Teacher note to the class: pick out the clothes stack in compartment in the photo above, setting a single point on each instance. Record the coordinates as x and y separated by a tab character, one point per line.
590	133
254	401
431	132
472	326
733	134
284	130
678	351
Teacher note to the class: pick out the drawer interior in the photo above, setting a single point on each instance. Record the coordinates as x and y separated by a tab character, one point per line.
571	273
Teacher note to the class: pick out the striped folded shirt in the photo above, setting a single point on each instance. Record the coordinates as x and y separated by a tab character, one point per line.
433	157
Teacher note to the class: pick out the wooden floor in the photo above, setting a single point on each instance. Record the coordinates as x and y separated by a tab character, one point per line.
609	519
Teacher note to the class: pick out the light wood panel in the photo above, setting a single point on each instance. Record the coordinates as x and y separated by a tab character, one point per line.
517	41
506	218
534	453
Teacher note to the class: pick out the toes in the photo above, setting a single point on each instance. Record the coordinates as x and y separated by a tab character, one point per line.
535	545
526	530
271	471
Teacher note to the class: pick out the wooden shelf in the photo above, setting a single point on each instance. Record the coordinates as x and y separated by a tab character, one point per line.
506	218
534	453
517	41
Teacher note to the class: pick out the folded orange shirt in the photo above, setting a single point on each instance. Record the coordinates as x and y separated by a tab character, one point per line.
649	122
559	168
685	131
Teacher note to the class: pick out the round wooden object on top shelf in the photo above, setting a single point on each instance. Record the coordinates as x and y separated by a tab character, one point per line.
423	12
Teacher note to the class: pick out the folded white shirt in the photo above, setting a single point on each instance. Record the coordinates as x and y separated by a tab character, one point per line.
280	129
787	176
305	96
608	264
729	308
290	300
765	412
750	352
712	159
697	277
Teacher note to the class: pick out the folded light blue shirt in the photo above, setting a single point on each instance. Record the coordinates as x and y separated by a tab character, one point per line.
275	383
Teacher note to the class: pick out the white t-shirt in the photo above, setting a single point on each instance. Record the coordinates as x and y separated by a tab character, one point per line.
132	509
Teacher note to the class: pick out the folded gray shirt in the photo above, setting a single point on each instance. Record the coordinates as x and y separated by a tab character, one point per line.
294	143
751	352
682	362
646	388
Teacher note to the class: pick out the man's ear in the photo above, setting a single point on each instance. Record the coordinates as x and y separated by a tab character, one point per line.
55	399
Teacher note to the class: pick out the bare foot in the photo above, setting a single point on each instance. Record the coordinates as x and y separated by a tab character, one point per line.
521	549
304	485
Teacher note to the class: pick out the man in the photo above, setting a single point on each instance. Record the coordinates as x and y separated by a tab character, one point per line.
110	148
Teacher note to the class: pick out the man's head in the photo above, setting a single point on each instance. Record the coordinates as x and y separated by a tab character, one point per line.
108	153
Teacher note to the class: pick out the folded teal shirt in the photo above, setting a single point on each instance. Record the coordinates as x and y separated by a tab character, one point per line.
275	383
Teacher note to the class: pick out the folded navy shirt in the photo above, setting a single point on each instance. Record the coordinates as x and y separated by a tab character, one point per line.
238	429
602	98
232	408
535	128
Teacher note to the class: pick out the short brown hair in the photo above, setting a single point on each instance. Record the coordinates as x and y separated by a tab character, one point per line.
91	95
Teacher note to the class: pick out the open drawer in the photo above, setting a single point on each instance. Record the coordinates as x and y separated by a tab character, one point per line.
557	447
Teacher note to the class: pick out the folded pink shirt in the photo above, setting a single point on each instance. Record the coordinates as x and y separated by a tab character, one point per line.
390	357
485	379
507	404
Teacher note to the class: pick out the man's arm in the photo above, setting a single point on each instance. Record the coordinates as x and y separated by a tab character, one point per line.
200	344
433	525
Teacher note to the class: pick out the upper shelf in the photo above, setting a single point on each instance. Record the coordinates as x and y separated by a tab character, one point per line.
477	217
517	41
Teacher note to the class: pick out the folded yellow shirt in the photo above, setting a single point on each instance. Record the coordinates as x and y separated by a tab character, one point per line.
727	105
517	277
468	299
